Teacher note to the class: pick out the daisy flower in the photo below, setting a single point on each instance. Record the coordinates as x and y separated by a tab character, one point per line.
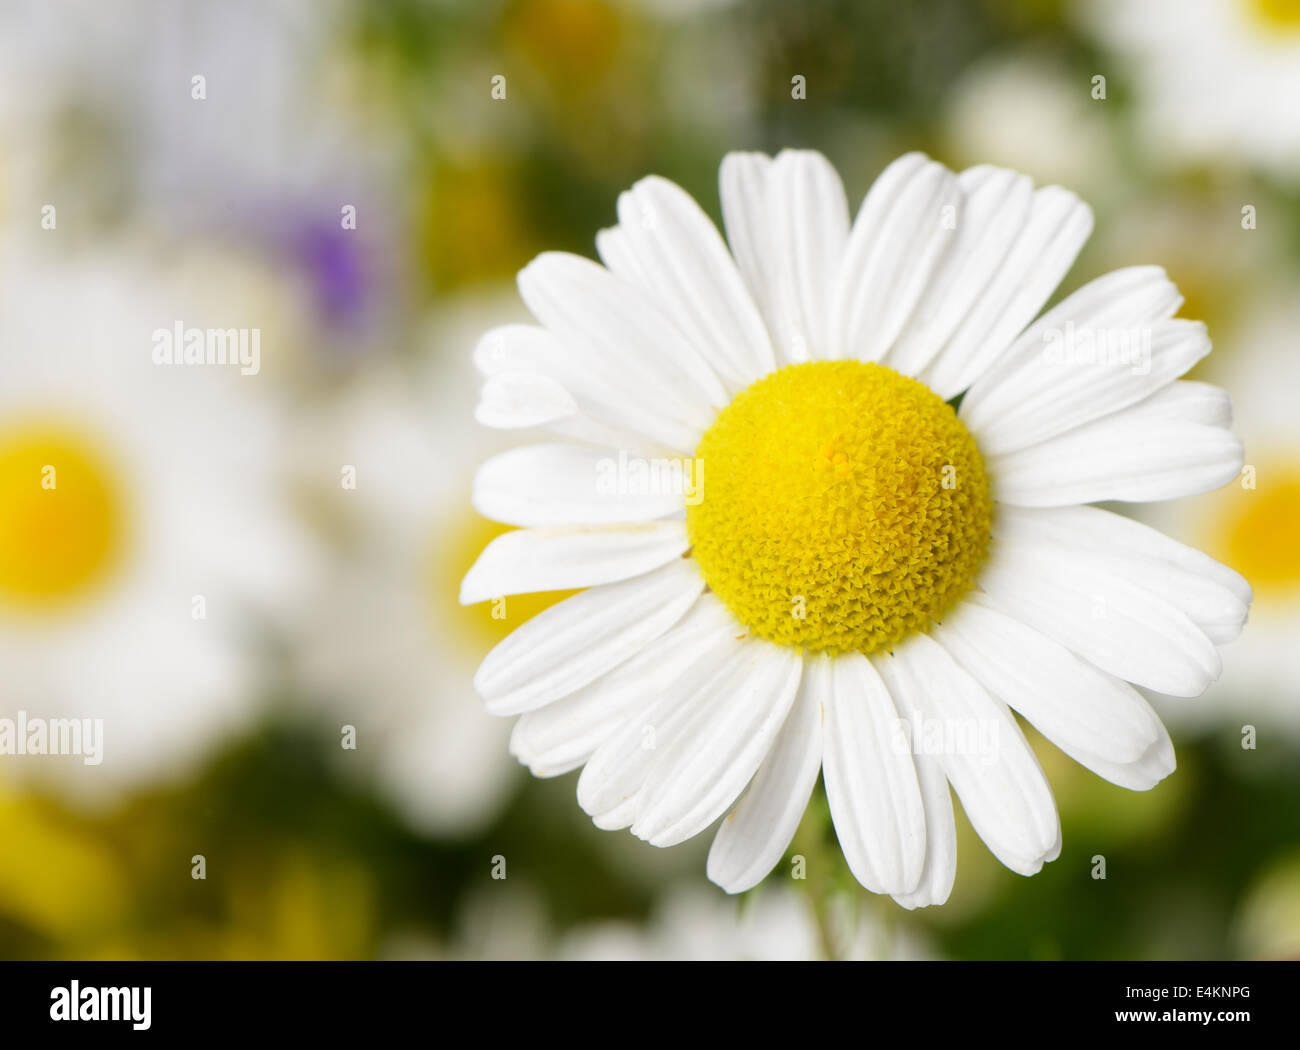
384	646
144	542
690	924
1210	75
800	558
1059	131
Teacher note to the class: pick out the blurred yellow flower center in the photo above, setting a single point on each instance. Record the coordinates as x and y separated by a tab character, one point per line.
1277	14
844	506
60	516
1259	539
483	625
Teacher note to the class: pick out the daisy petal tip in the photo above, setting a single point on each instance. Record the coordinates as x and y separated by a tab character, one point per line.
730	890
728	881
731	872
915	156
1167	768
742	176
486	354
921	898
537	274
1029	864
515	400
803	156
659	833
608	821
1155	777
467	587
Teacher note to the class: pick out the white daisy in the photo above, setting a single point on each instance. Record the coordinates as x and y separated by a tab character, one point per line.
1211	76
1058	132
863	555
690	924
384	645
144	545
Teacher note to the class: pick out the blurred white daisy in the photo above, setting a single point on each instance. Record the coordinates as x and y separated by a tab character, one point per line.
1030	112
1212	77
240	122
384	643
801	558
225	96
1267	925
690	924
144	546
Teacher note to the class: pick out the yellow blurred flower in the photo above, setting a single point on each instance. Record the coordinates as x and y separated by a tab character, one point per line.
56	879
1268	923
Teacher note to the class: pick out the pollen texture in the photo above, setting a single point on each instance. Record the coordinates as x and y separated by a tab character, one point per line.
843	507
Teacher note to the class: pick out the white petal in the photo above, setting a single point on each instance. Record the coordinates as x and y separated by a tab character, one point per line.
515	348
667	389
582	370
1130	295
1054	391
1135	298
1212	596
563	735
810	228
567	557
995	209
1095	529
611	782
701	772
870	777
560	484
615	250
1106	619
898	238
523	399
1069	701
1128	456
1142	774
1059	224
940	868
754	837
694	279
617	818
1003	790
743	190
1191	402
572	643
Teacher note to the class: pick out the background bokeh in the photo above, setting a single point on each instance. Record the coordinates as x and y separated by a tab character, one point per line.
330	604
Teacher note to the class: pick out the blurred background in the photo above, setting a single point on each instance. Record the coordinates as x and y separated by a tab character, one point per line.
266	567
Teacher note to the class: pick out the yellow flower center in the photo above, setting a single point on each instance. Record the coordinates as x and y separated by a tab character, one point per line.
1277	15
1259	532
61	522
843	507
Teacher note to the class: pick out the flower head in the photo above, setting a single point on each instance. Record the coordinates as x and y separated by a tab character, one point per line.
799	558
